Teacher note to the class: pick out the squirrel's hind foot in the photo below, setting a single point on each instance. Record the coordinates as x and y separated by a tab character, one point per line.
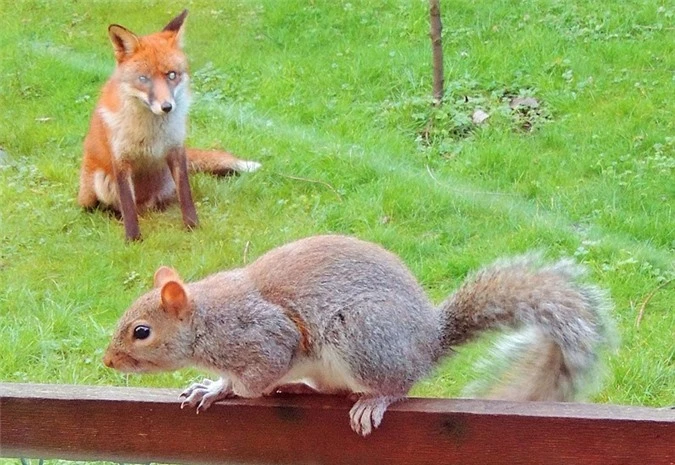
367	413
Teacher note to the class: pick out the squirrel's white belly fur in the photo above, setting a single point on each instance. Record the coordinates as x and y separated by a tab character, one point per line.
327	372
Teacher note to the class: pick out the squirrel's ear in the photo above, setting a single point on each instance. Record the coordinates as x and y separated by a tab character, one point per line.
165	274
175	299
124	41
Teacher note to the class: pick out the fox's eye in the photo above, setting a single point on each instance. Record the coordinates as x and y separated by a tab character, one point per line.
143	79
171	75
141	332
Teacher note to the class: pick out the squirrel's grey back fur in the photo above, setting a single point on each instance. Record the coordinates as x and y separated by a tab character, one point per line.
361	301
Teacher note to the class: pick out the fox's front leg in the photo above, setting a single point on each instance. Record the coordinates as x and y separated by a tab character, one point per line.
125	190
177	162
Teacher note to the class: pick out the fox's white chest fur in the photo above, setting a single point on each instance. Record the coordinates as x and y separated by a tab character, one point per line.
139	135
143	138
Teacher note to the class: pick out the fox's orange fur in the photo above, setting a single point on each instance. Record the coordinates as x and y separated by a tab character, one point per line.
134	153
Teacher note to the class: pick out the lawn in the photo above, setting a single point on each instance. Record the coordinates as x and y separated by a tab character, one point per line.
333	98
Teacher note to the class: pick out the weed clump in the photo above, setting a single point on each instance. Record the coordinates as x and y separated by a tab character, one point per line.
468	106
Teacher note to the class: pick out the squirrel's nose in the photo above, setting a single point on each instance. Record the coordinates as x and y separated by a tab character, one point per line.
167	107
108	361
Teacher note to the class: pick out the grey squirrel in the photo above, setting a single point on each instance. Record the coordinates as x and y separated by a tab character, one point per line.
345	315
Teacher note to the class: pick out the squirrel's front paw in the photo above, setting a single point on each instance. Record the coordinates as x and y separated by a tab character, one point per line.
206	393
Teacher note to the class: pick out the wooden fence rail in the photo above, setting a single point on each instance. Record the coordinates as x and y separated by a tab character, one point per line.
147	425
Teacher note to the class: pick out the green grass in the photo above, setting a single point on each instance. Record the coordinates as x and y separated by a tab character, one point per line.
334	99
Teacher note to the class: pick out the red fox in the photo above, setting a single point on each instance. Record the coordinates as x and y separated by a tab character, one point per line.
134	154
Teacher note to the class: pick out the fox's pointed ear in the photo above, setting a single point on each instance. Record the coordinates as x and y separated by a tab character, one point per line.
124	41
176	23
165	274
176	26
175	300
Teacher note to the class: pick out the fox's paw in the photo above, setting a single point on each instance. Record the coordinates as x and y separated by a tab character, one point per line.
203	394
247	166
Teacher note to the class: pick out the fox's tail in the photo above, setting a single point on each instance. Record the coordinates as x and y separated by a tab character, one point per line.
218	162
560	326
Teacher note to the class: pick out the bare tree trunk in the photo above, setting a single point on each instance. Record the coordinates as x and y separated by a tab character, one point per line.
437	47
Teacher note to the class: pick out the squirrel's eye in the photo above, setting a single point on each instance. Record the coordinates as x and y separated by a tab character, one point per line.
171	75
141	332
143	79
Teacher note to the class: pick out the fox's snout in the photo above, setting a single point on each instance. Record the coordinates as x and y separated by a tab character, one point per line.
157	94
161	107
161	100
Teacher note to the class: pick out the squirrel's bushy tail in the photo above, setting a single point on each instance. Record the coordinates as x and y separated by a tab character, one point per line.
560	325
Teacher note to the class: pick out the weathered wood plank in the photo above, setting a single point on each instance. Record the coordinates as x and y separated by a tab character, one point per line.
142	425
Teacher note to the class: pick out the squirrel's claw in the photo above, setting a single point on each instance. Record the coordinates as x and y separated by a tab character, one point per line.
203	394
367	413
204	385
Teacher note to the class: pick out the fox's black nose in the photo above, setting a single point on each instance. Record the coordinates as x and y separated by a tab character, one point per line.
167	107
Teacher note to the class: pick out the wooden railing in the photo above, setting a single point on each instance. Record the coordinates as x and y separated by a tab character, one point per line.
147	425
